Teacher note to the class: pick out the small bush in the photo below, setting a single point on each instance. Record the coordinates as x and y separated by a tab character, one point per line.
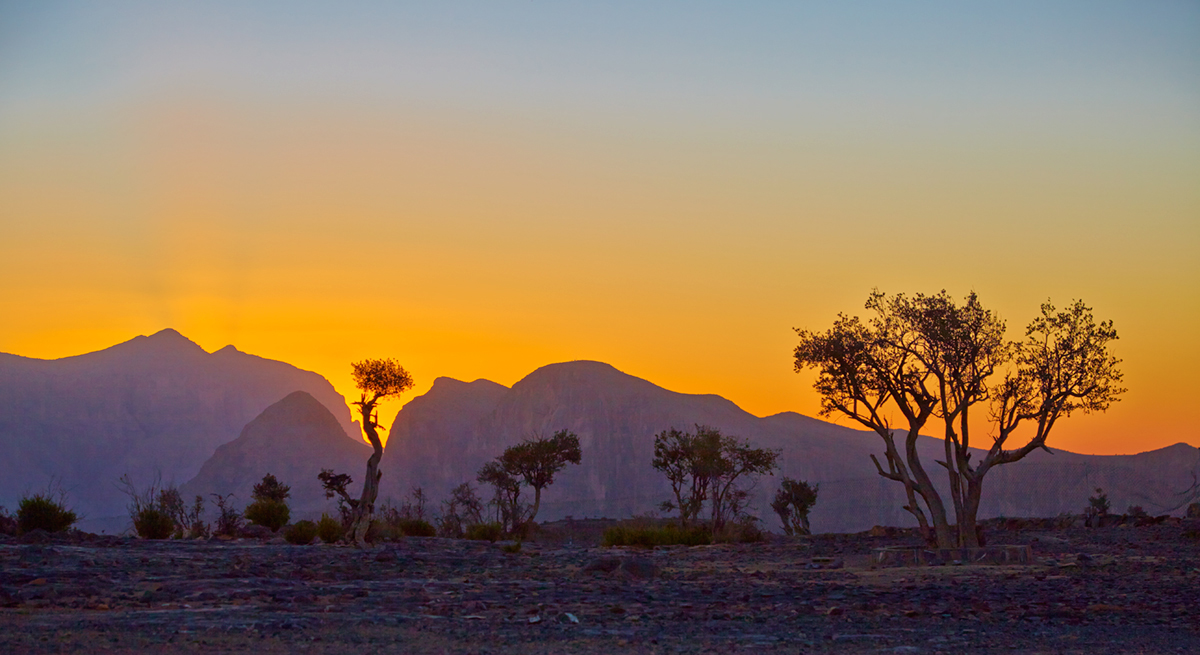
43	512
1098	504
511	549
742	531
329	529
650	536
271	489
148	506
153	523
1136	511
271	514
382	531
417	528
229	520
301	533
484	531
8	524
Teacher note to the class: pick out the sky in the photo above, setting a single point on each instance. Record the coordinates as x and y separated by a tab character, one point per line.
480	189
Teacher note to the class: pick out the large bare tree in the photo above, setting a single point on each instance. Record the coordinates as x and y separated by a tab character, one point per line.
926	358
377	379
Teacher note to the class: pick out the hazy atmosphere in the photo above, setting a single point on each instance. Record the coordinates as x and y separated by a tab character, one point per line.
481	189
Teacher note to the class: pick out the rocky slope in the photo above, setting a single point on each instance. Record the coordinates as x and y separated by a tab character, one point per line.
442	438
293	440
156	405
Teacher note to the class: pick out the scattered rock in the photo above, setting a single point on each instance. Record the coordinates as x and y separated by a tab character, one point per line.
386	555
639	567
37	536
605	564
253	531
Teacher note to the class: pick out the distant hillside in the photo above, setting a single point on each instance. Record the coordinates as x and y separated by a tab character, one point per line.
151	405
442	438
293	440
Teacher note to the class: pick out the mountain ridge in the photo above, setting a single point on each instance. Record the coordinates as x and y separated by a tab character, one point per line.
150	406
437	444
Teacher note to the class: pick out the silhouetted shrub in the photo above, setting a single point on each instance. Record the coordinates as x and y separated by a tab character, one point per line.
651	536
273	514
745	530
417	528
153	523
8	524
379	531
271	489
229	520
1136	511
463	508
148	507
43	512
329	529
484	531
301	533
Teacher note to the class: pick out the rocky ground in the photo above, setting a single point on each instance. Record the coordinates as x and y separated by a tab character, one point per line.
1101	590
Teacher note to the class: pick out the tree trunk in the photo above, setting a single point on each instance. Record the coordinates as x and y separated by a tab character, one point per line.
924	486
365	511
537	502
956	482
967	522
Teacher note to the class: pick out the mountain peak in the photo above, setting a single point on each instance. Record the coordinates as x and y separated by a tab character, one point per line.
164	341
576	369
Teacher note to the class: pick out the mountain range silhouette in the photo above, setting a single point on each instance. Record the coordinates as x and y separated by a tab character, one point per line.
217	422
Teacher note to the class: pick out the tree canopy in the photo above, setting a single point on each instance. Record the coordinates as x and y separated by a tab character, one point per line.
533	462
707	466
380	378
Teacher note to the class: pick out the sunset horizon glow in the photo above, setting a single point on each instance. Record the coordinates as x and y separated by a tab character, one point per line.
479	190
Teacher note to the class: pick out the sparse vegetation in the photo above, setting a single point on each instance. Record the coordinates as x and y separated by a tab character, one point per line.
301	533
271	489
229	520
8	523
709	467
793	501
484	531
532	463
649	536
271	514
407	520
1098	505
153	523
509	510
463	508
158	512
44	511
743	530
336	485
269	508
329	529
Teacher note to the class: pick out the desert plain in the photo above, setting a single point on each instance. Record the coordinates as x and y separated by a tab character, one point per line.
1116	589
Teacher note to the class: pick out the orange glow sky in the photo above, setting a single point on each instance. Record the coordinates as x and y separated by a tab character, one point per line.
481	191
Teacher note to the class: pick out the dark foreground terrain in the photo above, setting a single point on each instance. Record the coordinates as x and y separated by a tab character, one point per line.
1105	590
